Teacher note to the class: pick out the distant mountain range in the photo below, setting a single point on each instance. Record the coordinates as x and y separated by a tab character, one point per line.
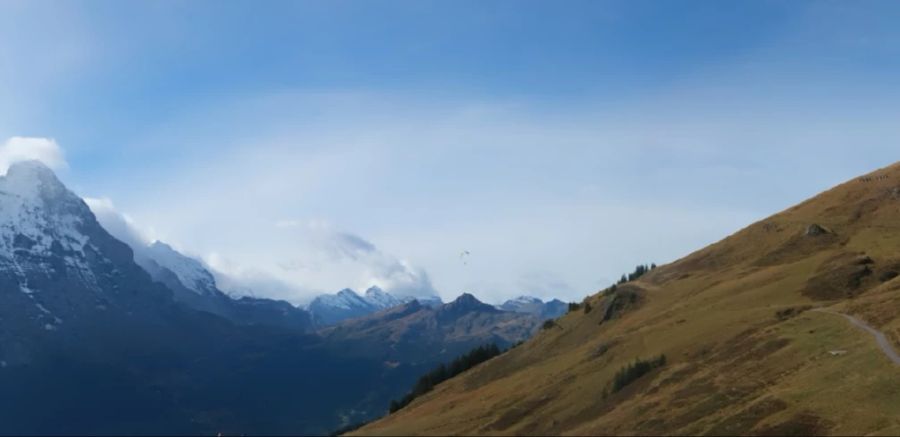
412	338
401	333
534	306
97	337
329	309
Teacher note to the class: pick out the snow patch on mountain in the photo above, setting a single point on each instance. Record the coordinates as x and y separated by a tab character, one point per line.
532	305
344	299
190	272
328	309
38	220
26	222
382	299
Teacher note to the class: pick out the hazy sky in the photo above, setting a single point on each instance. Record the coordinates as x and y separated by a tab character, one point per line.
303	147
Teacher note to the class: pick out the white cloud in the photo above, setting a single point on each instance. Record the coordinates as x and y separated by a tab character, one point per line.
118	224
18	149
321	259
553	202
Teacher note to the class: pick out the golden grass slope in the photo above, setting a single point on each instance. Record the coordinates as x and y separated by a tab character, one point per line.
744	354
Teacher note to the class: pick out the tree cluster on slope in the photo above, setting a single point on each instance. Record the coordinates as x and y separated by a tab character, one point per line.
444	372
639	271
635	370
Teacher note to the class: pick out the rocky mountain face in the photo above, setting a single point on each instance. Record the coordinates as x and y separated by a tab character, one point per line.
59	268
403	333
412	338
97	338
91	344
330	309
534	306
760	333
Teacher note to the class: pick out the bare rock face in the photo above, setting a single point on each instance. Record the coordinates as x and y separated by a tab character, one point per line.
815	230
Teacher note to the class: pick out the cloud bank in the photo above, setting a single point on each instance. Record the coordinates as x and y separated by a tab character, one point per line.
323	261
118	224
18	149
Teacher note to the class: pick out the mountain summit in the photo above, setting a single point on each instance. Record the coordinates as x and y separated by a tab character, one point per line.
57	264
463	304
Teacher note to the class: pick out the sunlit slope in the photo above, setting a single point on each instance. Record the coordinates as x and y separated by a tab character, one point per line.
745	354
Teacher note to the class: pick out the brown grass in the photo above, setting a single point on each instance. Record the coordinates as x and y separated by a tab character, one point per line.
735	366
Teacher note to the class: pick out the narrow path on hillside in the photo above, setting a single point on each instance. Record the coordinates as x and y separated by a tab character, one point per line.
880	338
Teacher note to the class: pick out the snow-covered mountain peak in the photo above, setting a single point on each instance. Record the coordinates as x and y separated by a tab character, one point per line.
527	300
375	291
190	272
345	299
381	299
348	293
30	168
328	309
28	179
51	245
38	213
532	305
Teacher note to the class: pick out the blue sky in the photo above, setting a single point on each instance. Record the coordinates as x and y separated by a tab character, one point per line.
559	142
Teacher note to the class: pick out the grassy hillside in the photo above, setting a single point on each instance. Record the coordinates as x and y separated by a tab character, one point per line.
746	353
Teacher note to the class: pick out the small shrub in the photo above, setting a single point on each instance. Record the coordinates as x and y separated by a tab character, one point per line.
601	350
587	307
887	276
787	313
619	302
548	324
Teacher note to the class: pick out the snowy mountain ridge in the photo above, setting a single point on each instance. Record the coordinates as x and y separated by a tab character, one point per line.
189	271
328	309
